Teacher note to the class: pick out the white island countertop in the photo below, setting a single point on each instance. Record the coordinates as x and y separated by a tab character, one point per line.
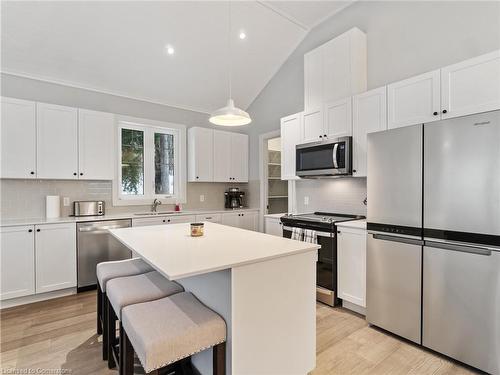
173	252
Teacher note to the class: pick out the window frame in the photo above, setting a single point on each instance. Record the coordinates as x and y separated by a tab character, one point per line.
150	127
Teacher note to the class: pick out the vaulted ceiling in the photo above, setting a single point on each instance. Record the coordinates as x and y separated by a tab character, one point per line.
119	47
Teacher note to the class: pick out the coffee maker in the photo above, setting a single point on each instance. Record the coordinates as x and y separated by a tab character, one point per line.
234	198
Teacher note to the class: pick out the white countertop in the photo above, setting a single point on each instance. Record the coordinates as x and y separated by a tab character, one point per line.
359	224
275	216
127	215
171	250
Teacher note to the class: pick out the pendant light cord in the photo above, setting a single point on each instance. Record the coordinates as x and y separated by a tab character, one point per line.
229	48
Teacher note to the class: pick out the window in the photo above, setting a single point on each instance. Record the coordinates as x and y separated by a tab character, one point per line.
150	163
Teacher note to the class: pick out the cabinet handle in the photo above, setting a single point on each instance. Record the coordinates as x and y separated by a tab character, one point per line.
38	230
338	232
32	172
30	230
325	136
354	171
208	218
163	220
435	113
197	177
74	174
445	111
81	174
321	136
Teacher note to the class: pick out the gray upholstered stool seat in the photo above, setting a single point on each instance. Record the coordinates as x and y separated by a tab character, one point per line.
170	329
150	286
120	268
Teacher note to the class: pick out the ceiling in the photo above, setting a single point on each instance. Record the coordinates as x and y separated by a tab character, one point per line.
119	47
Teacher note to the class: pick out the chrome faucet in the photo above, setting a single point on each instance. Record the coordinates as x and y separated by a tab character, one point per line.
155	205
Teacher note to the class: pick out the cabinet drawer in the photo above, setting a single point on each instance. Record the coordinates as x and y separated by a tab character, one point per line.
213	218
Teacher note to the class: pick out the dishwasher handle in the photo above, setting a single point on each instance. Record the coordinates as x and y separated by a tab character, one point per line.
100	229
458	247
410	241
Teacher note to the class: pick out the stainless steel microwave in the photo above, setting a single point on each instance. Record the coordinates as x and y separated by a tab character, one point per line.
324	159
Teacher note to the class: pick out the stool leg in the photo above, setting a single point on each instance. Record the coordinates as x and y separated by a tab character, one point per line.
127	357
99	309
111	328
219	359
105	303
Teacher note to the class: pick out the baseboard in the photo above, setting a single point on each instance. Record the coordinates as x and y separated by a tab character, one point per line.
353	307
36	298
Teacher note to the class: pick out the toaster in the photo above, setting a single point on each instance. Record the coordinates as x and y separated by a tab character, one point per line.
88	208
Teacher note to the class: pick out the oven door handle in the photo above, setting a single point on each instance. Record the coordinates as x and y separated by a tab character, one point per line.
335	163
318	233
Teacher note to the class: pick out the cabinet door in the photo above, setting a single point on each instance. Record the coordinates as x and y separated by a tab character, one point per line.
57	141
414	101
313	125
471	86
351	256
55	256
313	79
248	220
337	61
338	119
291	129
369	114
231	219
18	141
201	155
273	226
222	156
96	145
239	157
17	262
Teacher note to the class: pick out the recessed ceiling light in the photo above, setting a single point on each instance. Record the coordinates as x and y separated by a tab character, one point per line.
170	50
242	35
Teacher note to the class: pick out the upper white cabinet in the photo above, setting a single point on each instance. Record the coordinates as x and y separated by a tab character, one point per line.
291	135
57	141
338	119
201	154
18	141
217	156
471	86
415	100
335	70
351	265
55	257
95	145
17	265
313	125
369	114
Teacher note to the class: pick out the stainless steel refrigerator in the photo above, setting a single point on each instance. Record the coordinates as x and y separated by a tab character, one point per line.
433	249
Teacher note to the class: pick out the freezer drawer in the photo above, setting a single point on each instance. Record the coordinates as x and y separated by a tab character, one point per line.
461	305
393	285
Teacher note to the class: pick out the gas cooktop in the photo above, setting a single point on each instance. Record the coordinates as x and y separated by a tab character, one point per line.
322	217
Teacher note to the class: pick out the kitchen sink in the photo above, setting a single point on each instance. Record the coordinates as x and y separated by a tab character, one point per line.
154	213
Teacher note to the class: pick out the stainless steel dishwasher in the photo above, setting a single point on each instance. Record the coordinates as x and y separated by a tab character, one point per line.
94	245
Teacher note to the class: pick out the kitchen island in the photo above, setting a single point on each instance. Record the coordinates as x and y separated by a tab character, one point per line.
263	286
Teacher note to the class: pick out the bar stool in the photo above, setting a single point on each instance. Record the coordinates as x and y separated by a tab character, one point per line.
109	270
166	332
125	291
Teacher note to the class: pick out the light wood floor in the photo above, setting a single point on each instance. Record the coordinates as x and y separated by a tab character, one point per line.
60	334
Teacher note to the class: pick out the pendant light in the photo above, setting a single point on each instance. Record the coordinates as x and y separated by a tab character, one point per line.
230	115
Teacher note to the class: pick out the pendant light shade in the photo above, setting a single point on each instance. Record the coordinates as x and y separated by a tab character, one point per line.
230	116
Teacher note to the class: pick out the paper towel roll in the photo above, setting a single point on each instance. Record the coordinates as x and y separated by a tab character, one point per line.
53	206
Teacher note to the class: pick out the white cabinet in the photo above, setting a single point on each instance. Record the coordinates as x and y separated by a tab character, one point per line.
57	142
369	114
212	218
414	101
200	154
17	262
222	156
351	265
55	256
291	135
244	220
272	225
338	119
239	157
96	147
335	70
313	125
18	140
181	219
471	86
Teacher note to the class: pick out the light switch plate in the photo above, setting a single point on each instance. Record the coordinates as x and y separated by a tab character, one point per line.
306	200
202	198
65	201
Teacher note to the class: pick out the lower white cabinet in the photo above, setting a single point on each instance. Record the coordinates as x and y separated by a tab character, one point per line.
55	256
212	218
159	220
351	265
243	220
17	262
272	225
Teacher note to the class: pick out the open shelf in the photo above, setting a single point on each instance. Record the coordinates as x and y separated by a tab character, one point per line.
277	196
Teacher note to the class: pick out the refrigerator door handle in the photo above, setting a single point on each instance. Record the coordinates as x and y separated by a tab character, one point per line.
410	241
335	163
461	248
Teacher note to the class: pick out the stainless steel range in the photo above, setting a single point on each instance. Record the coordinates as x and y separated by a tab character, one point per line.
325	228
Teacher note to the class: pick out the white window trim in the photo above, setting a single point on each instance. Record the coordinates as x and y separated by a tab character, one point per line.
180	162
